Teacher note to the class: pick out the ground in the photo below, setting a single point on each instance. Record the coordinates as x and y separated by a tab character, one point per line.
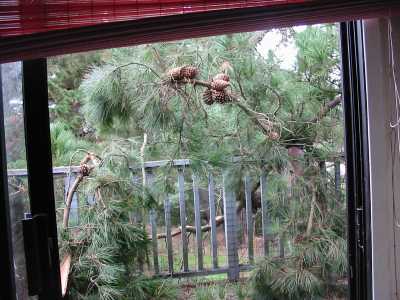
200	289
216	290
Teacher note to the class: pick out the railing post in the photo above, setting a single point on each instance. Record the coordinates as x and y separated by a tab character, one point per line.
154	240
230	228
182	213
211	203
197	220
167	208
249	218
139	215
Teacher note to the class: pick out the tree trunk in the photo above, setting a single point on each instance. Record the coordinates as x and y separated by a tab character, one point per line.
312	209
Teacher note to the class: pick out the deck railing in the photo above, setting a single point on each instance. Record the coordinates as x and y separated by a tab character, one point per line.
230	222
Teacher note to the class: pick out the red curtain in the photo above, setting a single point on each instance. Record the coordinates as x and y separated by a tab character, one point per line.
20	17
41	28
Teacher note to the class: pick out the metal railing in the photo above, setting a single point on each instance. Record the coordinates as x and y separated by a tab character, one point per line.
229	220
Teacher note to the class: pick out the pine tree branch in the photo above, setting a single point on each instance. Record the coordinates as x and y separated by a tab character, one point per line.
159	59
312	209
137	64
64	272
85	171
278	97
71	193
239	81
326	109
261	120
219	220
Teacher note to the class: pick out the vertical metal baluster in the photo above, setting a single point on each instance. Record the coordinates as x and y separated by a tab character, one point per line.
154	240
249	218
182	211
230	229
211	202
197	217
167	208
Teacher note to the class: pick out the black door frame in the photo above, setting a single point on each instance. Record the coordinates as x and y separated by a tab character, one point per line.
357	160
40	175
39	160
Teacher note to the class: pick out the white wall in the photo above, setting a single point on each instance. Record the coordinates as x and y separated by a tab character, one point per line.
384	157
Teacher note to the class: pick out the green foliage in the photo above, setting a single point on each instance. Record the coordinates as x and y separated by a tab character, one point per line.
204	293
65	76
64	144
143	288
124	96
108	247
278	280
313	265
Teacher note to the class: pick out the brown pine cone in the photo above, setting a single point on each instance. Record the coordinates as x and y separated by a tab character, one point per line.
189	72
219	85
84	170
273	135
175	73
221	76
219	96
208	97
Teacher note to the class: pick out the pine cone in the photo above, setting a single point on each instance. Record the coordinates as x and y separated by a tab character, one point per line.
219	85
175	73
273	135
219	96
189	72
208	97
84	170
221	76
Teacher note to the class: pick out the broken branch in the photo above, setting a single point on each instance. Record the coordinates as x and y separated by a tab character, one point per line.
326	108
192	229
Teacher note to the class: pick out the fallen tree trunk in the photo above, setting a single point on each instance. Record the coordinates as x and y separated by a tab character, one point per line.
312	209
85	171
64	272
192	229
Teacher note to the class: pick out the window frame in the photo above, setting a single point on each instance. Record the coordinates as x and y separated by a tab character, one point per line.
37	132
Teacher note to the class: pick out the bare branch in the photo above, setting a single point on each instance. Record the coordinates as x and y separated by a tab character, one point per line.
238	80
326	109
264	122
192	229
312	209
85	171
138	64
278	97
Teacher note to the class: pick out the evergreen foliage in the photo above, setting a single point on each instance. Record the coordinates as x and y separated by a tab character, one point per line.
108	247
124	96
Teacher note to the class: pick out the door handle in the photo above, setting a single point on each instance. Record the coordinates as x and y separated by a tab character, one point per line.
37	254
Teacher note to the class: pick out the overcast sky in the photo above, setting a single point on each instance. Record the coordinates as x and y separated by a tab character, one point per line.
286	53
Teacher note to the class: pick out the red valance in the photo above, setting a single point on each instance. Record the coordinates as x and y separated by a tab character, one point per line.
41	28
19	17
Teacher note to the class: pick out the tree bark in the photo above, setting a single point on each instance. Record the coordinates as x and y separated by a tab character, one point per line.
312	209
326	108
219	220
75	185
